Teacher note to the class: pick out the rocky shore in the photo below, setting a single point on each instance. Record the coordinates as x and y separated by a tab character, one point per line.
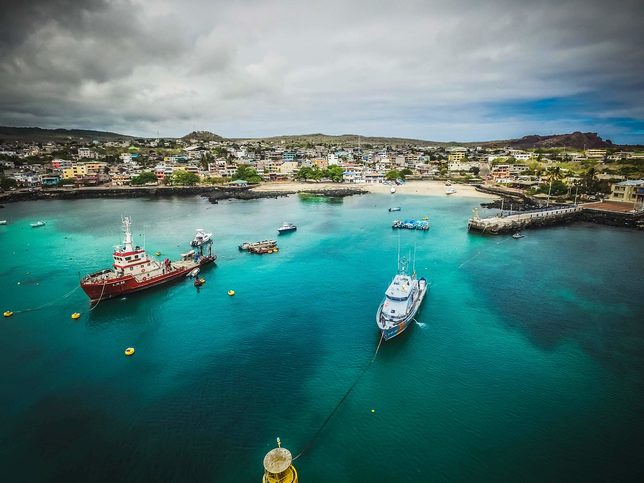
213	193
251	194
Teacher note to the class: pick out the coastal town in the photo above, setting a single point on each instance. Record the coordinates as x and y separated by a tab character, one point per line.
202	159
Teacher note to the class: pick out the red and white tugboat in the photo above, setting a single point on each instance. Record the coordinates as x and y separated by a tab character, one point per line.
133	270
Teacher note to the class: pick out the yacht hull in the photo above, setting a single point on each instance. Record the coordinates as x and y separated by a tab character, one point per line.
399	326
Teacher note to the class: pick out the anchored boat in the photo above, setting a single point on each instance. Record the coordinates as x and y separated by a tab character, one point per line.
402	300
38	223
201	238
286	227
133	270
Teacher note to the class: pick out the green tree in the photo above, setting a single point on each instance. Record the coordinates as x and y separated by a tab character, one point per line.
558	188
247	174
143	178
392	175
405	172
184	178
7	183
335	173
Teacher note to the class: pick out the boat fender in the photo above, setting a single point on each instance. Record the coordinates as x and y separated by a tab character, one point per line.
129	351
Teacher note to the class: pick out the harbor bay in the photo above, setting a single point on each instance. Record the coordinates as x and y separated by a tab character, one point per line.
525	361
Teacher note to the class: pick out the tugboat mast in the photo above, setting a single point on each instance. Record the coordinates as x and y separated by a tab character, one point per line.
127	239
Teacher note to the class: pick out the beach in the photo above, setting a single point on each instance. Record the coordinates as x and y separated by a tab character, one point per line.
423	188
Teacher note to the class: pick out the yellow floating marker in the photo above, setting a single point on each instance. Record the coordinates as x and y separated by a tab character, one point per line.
278	466
8	313
129	351
373	410
158	254
231	292
76	315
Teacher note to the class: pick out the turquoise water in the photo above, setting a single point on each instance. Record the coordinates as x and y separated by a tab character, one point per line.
526	363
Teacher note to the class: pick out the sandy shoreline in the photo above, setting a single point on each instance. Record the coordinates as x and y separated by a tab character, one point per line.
422	188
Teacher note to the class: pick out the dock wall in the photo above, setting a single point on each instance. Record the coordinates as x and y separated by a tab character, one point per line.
514	223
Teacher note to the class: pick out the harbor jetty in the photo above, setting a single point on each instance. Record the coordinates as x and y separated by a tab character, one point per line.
605	213
513	222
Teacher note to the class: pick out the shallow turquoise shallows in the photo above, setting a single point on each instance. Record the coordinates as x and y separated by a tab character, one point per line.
526	362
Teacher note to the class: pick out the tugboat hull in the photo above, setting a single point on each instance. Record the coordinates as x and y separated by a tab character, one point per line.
98	290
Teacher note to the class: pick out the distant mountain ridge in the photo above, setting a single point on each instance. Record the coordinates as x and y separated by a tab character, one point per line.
36	134
575	140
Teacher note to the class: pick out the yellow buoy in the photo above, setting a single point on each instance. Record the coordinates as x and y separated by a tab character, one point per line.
129	351
75	315
373	410
8	313
276	250
158	254
231	292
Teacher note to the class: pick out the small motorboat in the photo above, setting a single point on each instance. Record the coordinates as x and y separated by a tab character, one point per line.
201	238
199	282
450	191
3	222
395	208
286	227
392	190
518	235
193	273
38	223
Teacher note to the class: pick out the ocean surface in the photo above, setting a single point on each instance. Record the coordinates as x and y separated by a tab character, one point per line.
526	362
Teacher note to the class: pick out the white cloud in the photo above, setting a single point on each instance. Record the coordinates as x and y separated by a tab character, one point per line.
417	69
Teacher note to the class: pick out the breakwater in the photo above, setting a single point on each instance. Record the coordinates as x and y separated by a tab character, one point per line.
510	223
516	222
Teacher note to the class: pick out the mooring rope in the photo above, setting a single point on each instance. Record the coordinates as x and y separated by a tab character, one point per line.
100	297
48	304
309	443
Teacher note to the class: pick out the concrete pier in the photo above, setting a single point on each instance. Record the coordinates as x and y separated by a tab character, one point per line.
511	223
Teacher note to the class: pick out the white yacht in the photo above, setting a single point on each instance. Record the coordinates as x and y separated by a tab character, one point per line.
402	300
286	227
201	238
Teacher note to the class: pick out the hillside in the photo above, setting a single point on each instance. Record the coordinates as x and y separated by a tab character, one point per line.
576	140
202	136
36	134
344	139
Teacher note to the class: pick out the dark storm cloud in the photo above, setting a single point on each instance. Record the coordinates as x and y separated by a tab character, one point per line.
442	70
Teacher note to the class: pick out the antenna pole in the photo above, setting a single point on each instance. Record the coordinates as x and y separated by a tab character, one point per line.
414	264
398	262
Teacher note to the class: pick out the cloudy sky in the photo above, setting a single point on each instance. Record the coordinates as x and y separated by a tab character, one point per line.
437	70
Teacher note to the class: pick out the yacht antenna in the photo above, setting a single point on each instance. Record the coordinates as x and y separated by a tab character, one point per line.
398	262
414	263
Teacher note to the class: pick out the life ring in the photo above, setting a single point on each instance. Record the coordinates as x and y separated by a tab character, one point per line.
75	315
129	351
8	313
231	292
